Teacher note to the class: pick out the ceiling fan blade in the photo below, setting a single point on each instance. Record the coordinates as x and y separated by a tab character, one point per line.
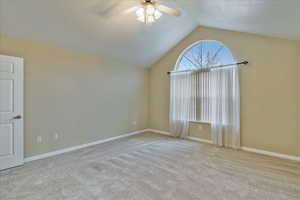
168	10
108	10
114	7
130	10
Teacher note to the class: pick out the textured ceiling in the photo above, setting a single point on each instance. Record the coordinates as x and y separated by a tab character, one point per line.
278	18
96	27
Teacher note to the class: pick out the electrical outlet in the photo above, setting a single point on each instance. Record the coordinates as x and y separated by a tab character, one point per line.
39	139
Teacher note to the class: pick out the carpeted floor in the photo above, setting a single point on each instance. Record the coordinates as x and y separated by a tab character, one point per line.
153	167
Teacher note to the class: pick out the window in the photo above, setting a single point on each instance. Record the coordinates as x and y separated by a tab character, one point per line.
206	95
204	55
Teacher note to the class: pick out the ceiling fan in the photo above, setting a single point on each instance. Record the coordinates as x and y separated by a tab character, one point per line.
147	11
150	10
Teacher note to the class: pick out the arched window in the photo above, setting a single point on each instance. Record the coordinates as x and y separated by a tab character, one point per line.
210	96
203	55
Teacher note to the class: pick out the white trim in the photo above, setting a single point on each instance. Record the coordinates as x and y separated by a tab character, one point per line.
196	43
273	154
200	122
66	150
199	139
160	132
17	76
248	149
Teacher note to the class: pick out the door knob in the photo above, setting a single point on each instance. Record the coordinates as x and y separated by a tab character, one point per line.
17	117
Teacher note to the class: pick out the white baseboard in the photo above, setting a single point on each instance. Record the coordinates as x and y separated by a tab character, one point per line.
66	150
273	154
160	132
258	151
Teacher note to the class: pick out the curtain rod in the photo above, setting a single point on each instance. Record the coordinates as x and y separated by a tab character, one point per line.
213	67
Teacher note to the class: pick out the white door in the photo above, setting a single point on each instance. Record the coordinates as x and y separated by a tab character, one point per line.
11	112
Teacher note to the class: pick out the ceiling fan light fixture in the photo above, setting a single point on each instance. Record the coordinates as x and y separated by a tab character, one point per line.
150	9
148	13
140	12
157	14
150	19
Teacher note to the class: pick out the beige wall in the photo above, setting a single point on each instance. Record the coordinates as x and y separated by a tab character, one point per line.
81	97
85	99
270	88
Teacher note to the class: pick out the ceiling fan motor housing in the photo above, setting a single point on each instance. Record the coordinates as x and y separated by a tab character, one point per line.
149	1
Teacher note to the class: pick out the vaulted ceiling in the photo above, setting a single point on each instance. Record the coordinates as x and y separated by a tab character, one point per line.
98	27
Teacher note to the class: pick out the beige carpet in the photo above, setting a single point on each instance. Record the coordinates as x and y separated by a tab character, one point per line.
153	167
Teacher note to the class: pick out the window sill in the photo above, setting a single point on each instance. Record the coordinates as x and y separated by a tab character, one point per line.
200	122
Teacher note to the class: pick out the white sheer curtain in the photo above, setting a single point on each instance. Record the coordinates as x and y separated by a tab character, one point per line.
225	107
182	108
209	96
